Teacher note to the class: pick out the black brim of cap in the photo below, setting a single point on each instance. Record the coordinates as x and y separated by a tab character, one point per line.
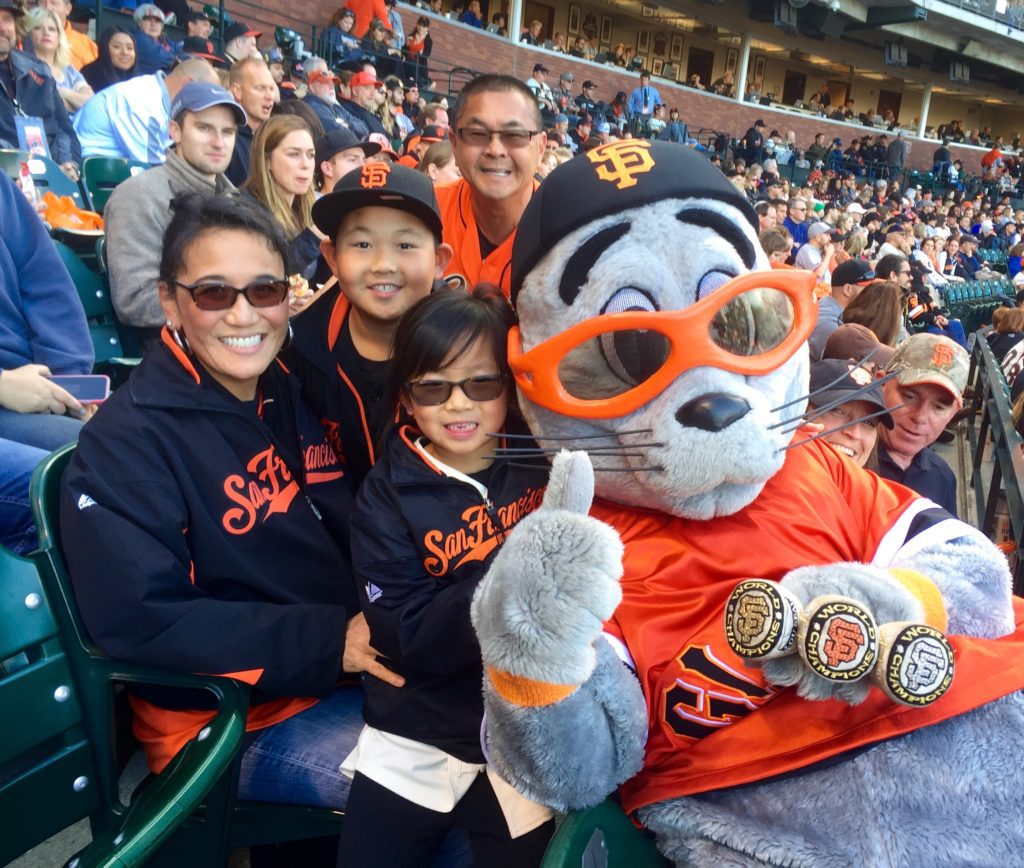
330	210
823	398
368	149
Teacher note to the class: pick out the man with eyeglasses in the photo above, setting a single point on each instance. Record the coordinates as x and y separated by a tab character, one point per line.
498	141
895	267
796	222
848	281
203	125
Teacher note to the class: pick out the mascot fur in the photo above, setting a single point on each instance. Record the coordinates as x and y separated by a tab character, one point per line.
645	352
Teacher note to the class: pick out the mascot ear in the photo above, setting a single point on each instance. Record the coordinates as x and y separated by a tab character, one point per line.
571	484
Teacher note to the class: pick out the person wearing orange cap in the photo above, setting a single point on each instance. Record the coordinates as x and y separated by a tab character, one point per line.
498	139
416	145
359	110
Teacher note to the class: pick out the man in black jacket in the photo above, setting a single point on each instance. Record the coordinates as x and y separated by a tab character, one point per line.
754	140
27	90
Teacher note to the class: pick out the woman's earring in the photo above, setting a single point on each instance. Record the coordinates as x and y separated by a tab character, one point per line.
181	340
287	339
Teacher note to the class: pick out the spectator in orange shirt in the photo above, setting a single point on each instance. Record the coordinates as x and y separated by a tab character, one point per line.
366	11
498	139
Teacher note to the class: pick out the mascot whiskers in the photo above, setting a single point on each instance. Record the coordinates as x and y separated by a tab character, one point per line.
863	706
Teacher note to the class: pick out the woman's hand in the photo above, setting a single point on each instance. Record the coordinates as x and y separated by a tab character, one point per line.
360	656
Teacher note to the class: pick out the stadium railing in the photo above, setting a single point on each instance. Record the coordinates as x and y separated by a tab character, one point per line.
997	478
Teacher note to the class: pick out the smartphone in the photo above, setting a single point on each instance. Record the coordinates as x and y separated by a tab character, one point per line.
85	388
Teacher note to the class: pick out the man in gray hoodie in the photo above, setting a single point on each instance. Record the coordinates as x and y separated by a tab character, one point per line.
204	122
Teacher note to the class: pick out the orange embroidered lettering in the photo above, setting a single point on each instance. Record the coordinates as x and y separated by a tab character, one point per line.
621	161
374	175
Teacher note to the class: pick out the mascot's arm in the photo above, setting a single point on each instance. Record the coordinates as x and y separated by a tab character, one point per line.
958	583
566	719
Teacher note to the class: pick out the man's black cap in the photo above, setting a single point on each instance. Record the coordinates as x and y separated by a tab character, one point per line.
612	178
236	29
540	67
13	7
340	140
385	185
195	15
852	271
588	83
199	47
411	83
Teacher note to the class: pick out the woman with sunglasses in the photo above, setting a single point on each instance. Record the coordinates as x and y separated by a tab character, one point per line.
430	517
205	518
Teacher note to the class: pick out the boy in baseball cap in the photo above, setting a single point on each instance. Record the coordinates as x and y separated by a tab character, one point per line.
383	244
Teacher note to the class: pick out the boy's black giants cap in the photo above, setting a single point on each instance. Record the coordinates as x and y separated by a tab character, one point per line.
383	184
627	173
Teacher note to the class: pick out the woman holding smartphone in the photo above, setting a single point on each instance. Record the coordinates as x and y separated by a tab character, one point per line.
205	518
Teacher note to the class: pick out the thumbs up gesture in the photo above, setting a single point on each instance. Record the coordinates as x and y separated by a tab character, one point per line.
552	586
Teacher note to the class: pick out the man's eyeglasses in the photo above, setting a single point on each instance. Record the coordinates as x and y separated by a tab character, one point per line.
432	393
220	296
480	137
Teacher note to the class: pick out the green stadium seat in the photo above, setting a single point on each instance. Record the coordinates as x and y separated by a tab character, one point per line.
10	163
100	175
49	178
602	835
186	815
57	763
99	314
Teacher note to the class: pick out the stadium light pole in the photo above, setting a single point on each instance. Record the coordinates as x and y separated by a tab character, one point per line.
741	68
926	103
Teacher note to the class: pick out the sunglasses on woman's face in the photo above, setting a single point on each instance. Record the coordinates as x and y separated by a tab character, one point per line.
431	393
220	296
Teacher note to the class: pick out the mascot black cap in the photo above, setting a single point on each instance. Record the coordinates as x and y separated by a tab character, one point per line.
621	174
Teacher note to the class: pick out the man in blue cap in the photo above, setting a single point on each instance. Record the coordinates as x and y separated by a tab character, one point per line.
204	122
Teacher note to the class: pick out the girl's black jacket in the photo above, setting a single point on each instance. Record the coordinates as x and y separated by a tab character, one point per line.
421	540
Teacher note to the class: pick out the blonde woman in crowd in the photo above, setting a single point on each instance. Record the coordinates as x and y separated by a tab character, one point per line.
48	42
281	179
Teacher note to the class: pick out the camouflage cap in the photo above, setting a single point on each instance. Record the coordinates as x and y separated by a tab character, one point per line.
928	358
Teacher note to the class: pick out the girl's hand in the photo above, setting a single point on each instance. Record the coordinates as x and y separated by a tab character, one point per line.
360	656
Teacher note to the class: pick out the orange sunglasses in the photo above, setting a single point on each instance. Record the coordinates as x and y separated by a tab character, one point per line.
751	325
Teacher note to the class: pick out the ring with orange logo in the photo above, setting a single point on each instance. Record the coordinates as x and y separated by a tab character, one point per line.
751	326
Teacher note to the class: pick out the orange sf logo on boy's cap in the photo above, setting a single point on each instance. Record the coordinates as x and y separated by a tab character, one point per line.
374	175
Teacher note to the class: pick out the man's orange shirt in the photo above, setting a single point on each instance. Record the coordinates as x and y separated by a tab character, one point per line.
366	11
460	231
83	49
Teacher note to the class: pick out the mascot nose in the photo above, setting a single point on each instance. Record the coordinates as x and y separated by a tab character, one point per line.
712	412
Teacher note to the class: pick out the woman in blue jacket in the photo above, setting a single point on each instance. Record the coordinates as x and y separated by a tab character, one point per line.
205	518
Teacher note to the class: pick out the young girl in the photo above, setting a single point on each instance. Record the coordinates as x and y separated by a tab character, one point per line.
430	518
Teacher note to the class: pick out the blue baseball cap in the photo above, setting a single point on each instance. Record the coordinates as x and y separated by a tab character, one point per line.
197	96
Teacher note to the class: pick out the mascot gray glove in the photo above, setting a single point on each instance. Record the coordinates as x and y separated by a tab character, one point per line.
543	602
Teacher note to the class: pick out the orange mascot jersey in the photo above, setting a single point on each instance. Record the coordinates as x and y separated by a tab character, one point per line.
714	722
460	231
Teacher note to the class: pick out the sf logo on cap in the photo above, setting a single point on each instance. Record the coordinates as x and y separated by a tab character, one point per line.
620	162
374	175
942	356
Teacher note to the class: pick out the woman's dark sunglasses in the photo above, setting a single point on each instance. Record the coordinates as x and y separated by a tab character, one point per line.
430	393
220	296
